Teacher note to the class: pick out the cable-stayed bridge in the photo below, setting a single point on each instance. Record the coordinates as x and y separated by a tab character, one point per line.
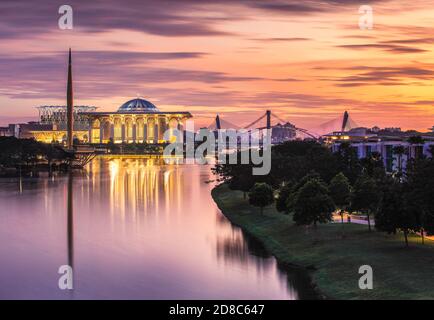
283	130
342	123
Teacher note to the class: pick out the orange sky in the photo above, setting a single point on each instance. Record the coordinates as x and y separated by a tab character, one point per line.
306	61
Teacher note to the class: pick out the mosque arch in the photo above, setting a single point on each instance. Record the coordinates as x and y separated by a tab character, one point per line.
117	129
106	131
129	129
140	129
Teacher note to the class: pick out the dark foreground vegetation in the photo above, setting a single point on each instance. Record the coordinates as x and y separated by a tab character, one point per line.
309	182
289	210
333	261
27	157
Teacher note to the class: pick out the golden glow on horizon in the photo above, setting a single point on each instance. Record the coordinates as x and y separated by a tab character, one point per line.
332	67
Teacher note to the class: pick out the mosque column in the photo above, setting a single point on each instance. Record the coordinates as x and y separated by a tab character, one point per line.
156	130
134	132
101	131
123	132
112	131
164	126
89	139
145	129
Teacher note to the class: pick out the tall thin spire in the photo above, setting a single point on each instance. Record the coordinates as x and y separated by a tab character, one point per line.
70	105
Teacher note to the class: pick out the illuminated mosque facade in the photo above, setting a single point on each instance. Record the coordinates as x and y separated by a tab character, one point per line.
135	121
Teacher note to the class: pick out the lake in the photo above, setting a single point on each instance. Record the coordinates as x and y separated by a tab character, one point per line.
133	228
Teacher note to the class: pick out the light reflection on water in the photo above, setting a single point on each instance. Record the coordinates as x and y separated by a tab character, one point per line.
136	229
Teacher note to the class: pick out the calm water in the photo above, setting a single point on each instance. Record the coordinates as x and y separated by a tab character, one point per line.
137	229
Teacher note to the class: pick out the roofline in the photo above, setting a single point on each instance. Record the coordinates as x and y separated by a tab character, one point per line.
63	106
134	113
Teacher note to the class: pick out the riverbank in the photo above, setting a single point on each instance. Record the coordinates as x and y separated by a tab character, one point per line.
333	253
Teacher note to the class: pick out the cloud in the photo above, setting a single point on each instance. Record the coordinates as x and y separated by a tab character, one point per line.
288	6
427	40
283	39
171	18
287	80
383	46
383	76
100	74
162	17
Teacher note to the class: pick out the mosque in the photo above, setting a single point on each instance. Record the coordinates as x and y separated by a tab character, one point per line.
135	121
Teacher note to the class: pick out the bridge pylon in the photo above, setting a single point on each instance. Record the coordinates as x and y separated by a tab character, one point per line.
268	119
217	122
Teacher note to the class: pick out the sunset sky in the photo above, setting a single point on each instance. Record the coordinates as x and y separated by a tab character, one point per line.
307	61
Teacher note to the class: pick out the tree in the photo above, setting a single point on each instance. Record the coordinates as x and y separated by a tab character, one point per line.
292	196
26	153
373	166
395	212
283	194
261	195
419	187
243	182
292	160
366	196
349	161
51	153
340	192
313	204
238	176
399	151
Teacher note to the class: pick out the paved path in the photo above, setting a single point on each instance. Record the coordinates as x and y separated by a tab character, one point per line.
354	219
337	219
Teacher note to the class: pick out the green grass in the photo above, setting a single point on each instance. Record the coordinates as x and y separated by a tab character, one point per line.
334	256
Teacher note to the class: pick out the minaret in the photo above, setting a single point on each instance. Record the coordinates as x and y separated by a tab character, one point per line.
70	106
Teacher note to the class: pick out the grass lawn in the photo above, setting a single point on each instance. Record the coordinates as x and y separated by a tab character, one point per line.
334	252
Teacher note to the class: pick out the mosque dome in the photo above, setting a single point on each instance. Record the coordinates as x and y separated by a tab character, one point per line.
138	105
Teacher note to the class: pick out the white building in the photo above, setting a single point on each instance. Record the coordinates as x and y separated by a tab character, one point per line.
384	142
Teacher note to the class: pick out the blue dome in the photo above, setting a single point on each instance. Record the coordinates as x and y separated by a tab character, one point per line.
138	105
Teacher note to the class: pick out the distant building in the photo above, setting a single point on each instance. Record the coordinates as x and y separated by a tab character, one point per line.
136	121
283	132
52	124
21	130
383	141
4	132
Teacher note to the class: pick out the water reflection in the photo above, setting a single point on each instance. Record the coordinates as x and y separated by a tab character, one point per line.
70	224
136	229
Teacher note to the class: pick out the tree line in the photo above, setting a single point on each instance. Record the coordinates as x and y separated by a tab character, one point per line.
310	182
27	155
